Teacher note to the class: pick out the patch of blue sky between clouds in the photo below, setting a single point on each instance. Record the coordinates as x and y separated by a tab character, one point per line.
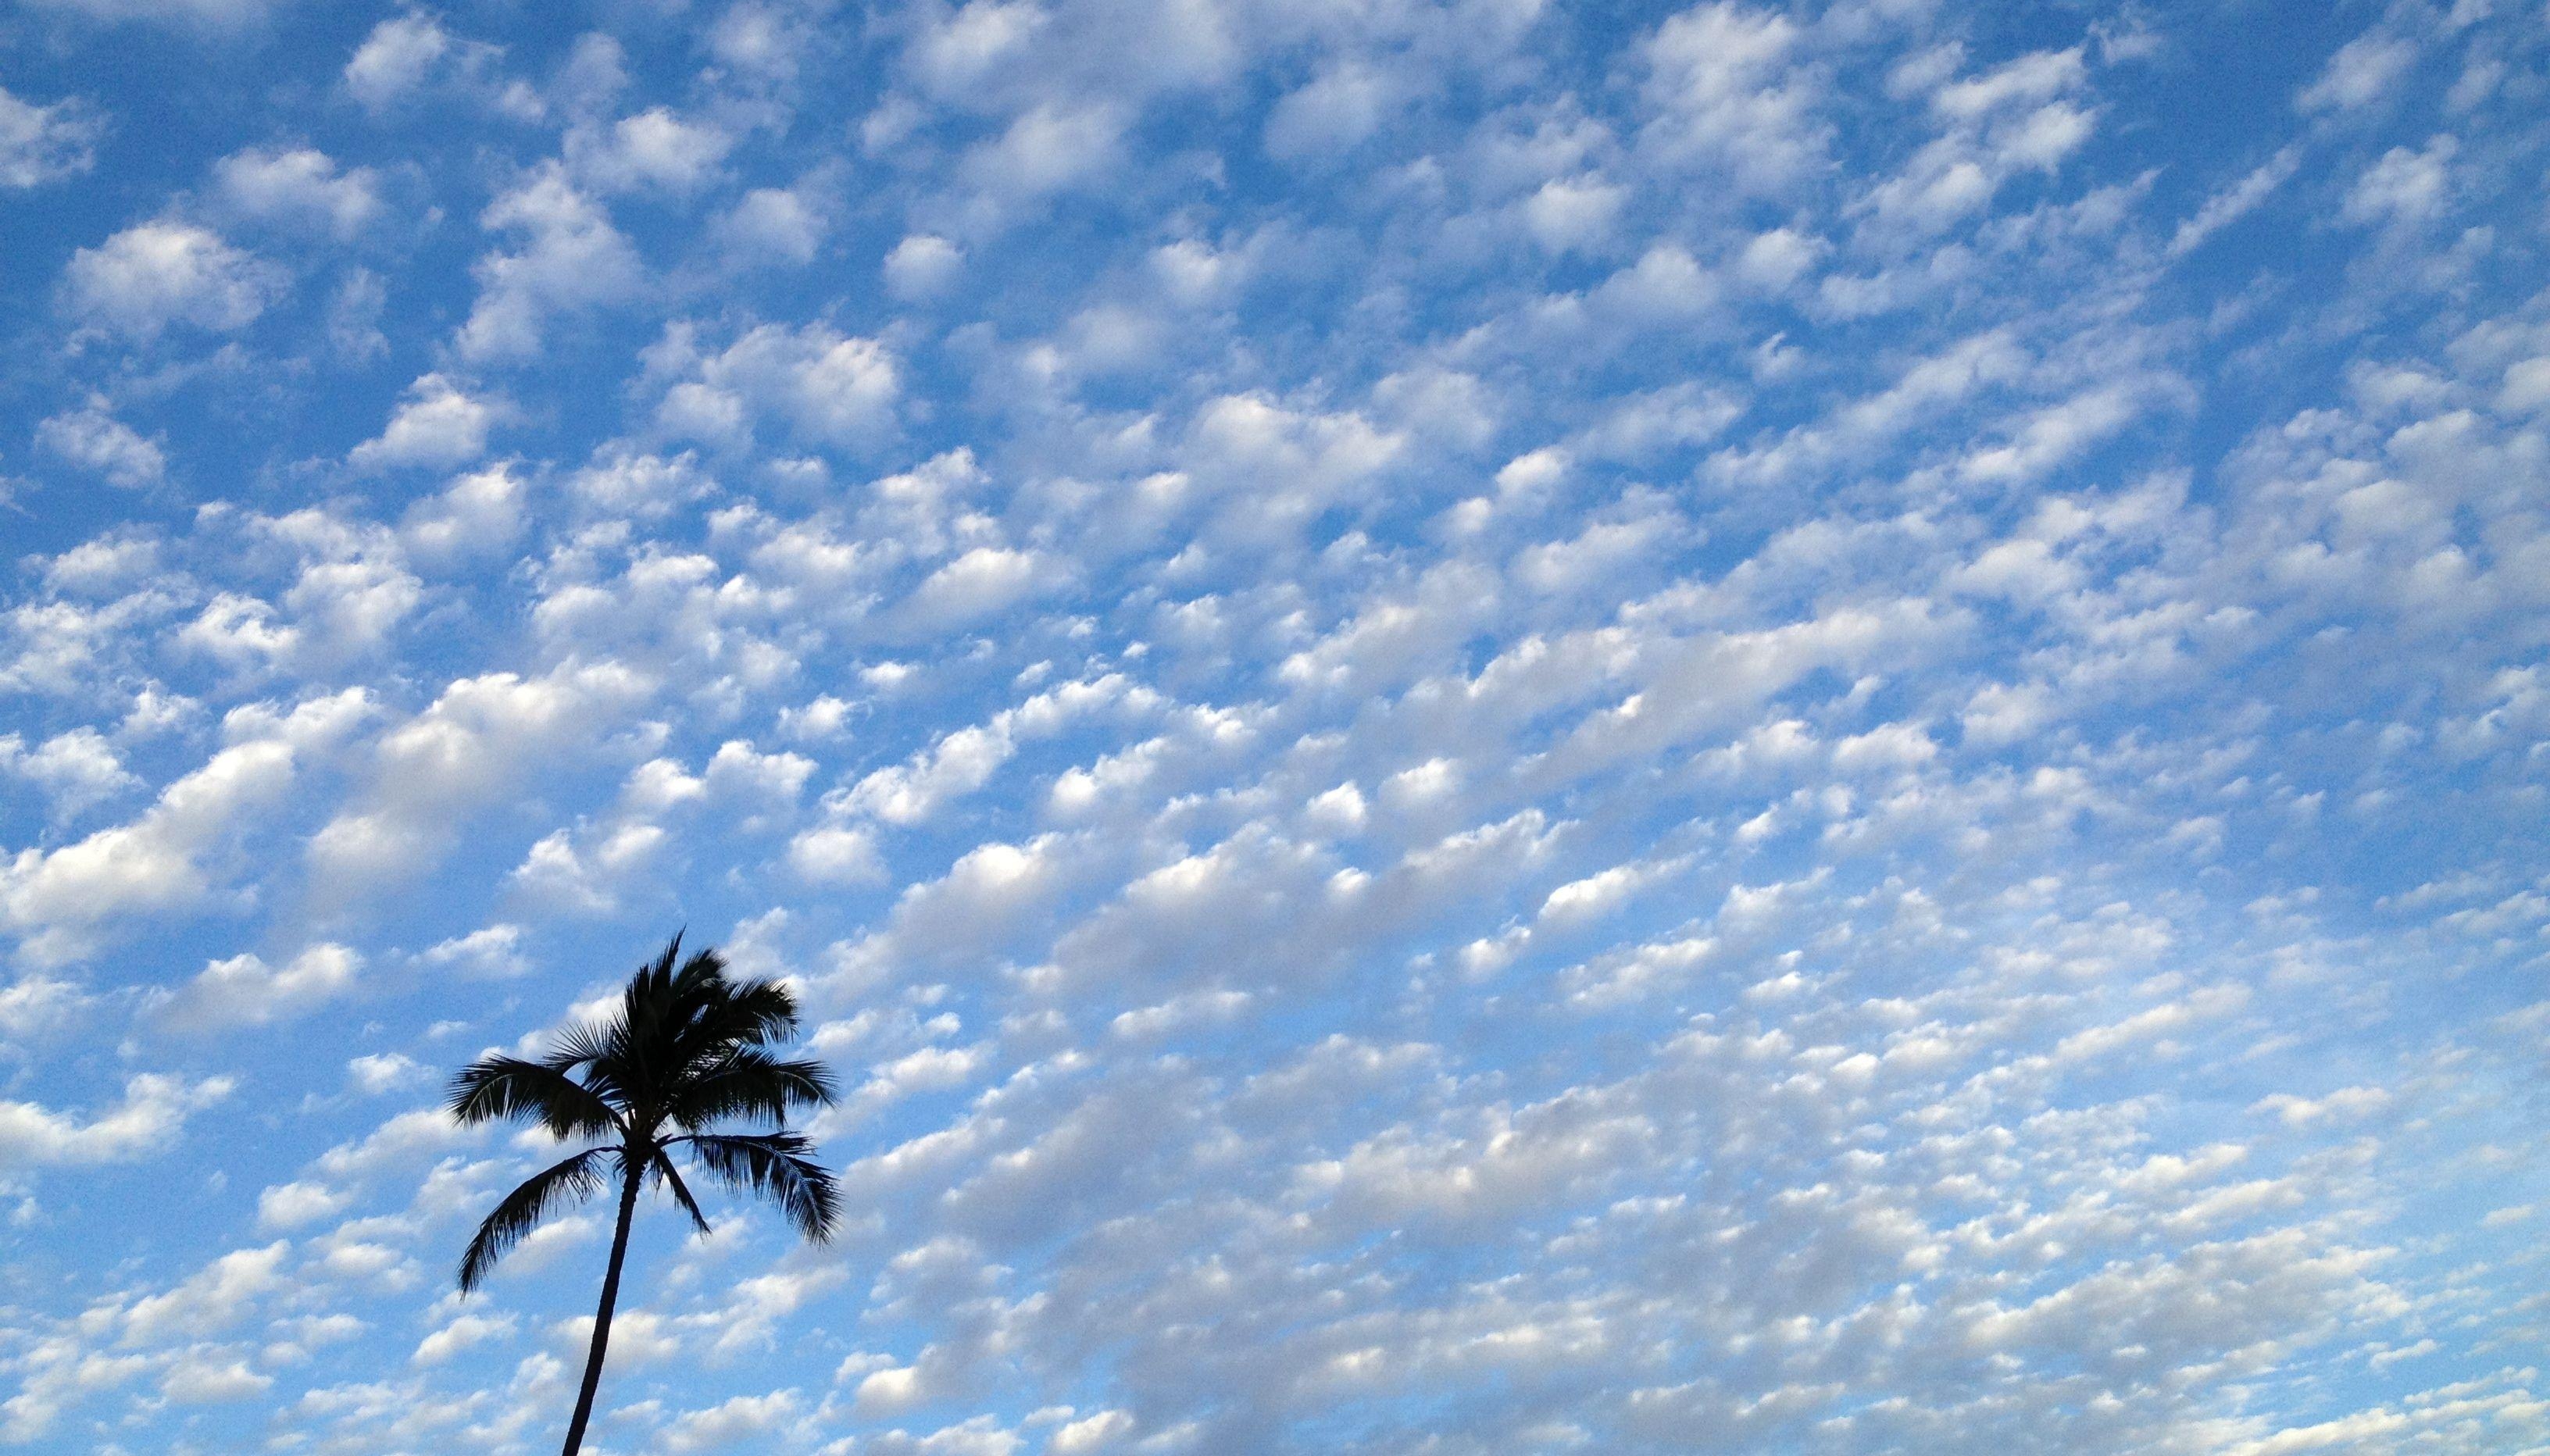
1481	727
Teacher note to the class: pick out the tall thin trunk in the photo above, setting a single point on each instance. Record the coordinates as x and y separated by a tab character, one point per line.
601	1316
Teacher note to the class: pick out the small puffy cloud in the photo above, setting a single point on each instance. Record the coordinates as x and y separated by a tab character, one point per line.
1048	149
300	186
1277	466
755	1418
2362	71
383	1072
478	513
203	1379
654	149
957	56
437	424
1096	1432
825	386
981	583
153	1110
773	222
209	1301
1332	112
570	257
74	770
1729	94
395	58
247	990
584	872
884	1392
827	716
2346	1103
836	854
619	481
2404	186
104	445
464	1331
1778	258
922	266
1574	213
287	1205
147	278
45	143
493	953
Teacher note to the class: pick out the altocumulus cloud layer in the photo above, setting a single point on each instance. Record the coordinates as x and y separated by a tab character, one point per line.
1481	727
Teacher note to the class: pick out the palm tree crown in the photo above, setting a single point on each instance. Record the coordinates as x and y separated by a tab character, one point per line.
685	1050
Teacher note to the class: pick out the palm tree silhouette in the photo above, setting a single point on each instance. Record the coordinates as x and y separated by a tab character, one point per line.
685	1049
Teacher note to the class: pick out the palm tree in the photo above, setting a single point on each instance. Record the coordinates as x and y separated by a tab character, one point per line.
685	1049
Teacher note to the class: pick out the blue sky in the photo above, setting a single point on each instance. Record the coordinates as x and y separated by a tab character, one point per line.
1479	728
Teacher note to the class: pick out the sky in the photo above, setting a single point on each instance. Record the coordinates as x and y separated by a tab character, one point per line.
1477	728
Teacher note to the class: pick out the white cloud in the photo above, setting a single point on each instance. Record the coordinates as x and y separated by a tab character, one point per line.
45	143
2237	201
147	278
737	1420
1573	214
58	900
834	854
468	746
922	266
97	441
1331	112
1093	1432
825	386
571	258
957	55
462	1332
209	1301
654	149
2362	71
301	186
494	952
775	223
479	513
2404	186
75	770
383	1072
978	584
436	425
287	1205
1729	96
245	991
1049	148
155	1108
208	1380
395	58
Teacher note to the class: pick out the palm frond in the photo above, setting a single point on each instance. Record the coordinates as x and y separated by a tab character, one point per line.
561	1185
748	1082
775	1166
494	1087
599	1050
671	1177
582	1044
751	1013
